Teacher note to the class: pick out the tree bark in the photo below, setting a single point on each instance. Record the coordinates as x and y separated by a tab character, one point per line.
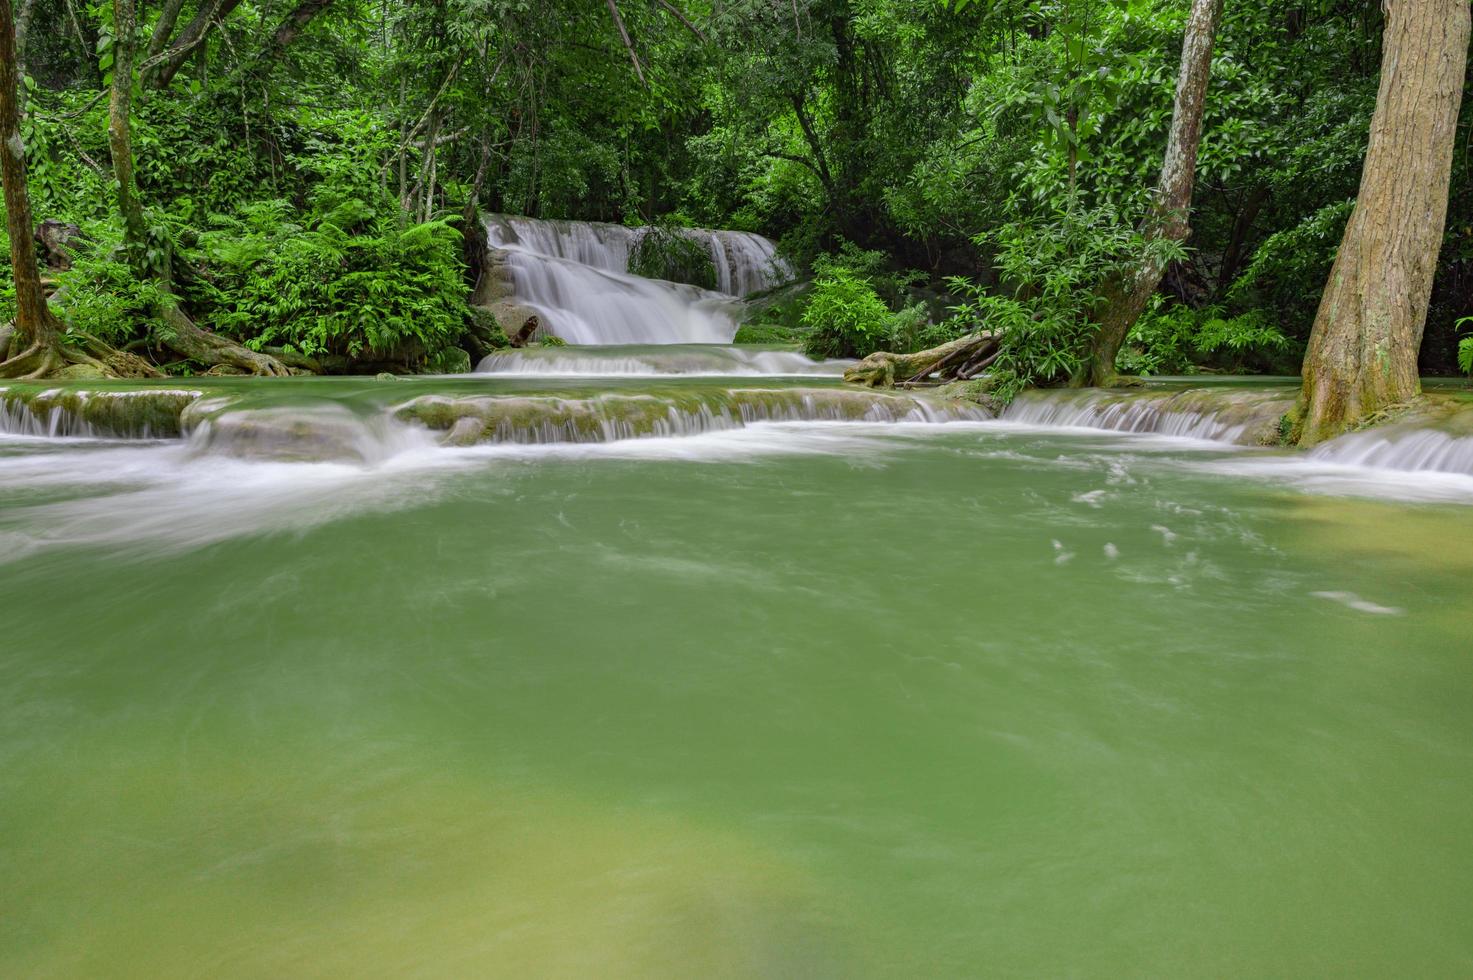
1125	299
164	28
22	30
294	23
1362	354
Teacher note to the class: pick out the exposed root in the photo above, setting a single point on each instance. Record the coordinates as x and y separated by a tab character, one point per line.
190	341
110	360
48	360
36	361
958	360
1113	380
299	362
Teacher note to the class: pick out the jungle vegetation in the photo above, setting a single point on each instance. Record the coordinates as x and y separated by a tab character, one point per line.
1111	187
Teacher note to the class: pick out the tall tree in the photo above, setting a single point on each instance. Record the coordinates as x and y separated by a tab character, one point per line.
34	320
1362	354
50	349
1125	299
155	259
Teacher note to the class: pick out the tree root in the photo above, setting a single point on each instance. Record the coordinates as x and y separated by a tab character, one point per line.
958	360
190	341
113	362
36	361
1113	380
48	360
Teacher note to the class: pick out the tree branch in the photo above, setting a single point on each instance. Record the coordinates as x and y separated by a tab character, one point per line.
674	11
628	44
158	71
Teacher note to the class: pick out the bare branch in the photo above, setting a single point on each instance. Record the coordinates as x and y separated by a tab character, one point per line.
674	11
628	44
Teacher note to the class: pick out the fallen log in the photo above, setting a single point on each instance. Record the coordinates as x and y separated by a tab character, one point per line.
956	360
524	335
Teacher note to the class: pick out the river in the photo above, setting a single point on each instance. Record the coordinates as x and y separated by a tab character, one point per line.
673	659
800	690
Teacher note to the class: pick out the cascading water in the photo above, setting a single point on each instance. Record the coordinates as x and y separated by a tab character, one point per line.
574	276
1444	446
693	360
1243	417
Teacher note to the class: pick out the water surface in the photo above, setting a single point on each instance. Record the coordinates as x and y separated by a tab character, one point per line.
795	699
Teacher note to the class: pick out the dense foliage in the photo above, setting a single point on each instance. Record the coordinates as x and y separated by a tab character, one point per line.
937	166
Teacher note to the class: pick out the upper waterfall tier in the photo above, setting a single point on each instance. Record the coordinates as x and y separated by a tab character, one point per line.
574	275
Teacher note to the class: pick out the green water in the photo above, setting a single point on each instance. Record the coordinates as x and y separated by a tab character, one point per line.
804	700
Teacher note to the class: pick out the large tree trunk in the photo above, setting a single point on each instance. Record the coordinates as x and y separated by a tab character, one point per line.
182	336
1124	300
1362	353
34	321
44	349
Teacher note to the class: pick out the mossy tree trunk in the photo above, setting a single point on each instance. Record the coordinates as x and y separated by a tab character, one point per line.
1362	354
34	321
1125	299
45	347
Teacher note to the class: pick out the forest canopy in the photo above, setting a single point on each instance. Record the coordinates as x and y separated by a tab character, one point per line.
308	176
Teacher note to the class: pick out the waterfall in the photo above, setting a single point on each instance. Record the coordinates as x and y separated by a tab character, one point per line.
1408	448
745	263
613	417
574	275
1218	414
73	413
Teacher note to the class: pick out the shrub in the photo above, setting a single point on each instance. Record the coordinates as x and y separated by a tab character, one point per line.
667	253
100	295
1174	339
845	316
345	280
1052	270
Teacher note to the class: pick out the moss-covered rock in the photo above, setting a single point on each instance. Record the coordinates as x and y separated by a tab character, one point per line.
451	360
125	414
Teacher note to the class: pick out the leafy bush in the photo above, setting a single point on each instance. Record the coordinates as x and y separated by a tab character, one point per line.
846	316
100	295
1465	348
1053	270
667	253
345	279
769	333
891	285
1173	339
859	305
